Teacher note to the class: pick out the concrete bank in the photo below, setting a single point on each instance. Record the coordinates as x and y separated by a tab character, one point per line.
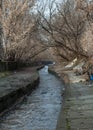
77	108
16	86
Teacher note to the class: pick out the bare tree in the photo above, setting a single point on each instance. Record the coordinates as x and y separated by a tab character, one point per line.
20	30
65	25
87	8
1	32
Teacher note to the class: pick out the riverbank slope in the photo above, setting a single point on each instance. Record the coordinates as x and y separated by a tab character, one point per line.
77	108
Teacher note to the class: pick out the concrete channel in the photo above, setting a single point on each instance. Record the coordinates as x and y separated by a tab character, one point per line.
39	110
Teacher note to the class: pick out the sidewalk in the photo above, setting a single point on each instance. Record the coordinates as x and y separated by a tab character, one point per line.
77	109
17	85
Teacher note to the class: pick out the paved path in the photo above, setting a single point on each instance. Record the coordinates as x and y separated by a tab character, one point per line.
77	110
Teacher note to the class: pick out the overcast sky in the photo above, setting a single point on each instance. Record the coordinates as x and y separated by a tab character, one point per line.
45	3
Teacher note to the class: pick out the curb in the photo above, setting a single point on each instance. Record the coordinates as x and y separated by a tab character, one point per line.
61	116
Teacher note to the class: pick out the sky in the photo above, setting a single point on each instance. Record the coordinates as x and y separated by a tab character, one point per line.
45	3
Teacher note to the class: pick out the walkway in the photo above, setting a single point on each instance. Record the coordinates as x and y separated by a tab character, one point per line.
77	110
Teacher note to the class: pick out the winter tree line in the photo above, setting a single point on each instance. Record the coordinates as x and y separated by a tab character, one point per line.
24	34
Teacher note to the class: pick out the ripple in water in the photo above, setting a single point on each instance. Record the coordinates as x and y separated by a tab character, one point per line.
40	110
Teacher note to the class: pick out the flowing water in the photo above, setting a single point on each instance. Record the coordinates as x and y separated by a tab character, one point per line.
41	108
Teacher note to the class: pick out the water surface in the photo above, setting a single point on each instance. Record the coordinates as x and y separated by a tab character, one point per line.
40	110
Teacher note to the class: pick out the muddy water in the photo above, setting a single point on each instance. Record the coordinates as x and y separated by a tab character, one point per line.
40	109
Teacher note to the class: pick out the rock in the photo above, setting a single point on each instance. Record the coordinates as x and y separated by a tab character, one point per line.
71	64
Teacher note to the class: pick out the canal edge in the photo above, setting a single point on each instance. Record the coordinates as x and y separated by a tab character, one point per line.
13	97
62	122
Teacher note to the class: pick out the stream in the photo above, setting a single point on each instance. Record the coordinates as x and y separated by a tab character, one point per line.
40	110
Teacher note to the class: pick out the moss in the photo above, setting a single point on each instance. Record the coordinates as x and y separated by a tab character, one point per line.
71	102
68	100
4	74
66	110
68	124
